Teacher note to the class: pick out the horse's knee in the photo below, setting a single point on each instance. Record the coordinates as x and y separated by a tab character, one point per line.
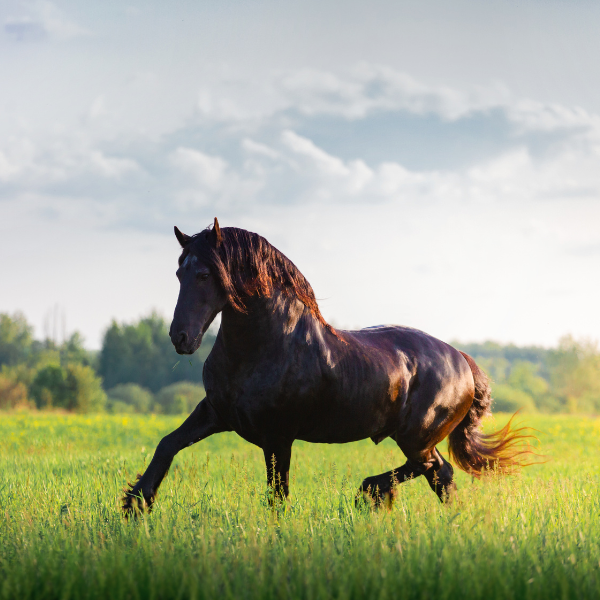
167	447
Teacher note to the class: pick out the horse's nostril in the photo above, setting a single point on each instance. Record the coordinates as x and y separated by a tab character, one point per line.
182	338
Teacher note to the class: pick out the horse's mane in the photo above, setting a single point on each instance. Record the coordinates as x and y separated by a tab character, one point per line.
246	264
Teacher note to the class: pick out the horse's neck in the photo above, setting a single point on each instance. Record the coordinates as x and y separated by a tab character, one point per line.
265	326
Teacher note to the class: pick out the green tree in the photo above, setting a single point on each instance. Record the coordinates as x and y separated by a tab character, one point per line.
84	389
71	351
48	387
524	376
16	337
520	375
510	399
575	374
142	353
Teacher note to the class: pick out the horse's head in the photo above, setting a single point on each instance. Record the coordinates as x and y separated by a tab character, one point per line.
201	296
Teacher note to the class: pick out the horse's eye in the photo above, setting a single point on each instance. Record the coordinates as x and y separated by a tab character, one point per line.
202	276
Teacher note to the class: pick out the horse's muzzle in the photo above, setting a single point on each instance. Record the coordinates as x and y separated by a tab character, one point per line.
184	344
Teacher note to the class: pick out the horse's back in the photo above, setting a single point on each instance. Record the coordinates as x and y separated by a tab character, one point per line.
432	362
418	348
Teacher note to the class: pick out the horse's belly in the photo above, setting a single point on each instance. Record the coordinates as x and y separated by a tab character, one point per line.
347	422
317	410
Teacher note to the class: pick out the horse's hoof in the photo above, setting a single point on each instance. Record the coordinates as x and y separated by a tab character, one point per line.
134	502
132	505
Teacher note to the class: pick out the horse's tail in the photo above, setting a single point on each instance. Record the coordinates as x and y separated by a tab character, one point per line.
474	451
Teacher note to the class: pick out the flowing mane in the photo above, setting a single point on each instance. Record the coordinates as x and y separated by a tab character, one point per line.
246	264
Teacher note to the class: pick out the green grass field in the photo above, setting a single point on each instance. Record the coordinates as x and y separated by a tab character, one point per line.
213	535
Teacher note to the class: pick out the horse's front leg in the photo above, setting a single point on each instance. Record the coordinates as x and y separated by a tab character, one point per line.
200	424
277	459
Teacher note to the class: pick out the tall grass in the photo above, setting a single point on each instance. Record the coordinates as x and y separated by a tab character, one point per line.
213	534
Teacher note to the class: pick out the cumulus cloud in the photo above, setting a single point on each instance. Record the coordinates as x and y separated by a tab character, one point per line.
26	166
536	116
370	88
350	178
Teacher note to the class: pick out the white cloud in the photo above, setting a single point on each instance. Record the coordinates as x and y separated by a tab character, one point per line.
536	116
210	181
258	148
327	164
335	178
23	165
203	169
369	88
110	167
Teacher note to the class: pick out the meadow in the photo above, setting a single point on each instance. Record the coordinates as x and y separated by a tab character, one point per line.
213	533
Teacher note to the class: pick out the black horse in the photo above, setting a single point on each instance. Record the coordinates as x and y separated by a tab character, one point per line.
278	372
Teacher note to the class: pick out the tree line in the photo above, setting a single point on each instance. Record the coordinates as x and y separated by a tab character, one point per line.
137	370
561	379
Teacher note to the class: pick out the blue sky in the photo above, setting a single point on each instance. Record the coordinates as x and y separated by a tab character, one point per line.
432	164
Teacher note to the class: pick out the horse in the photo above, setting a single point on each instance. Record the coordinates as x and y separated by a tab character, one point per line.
278	372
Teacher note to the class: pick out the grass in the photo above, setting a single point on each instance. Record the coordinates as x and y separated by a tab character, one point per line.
213	535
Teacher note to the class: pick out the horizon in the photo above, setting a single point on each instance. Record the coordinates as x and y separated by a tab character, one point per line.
55	318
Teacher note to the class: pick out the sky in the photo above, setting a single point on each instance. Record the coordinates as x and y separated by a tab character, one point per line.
433	164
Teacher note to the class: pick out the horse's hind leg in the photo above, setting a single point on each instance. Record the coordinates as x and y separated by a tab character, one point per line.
200	424
433	467
441	478
381	488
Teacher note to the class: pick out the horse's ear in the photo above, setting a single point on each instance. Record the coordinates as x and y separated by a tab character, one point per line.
217	235
183	239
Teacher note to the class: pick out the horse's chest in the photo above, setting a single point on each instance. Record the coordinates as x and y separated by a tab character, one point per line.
253	401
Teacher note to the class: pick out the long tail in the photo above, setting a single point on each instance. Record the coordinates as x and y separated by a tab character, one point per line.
474	451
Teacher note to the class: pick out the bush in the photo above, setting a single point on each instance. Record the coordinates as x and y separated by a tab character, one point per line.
84	389
74	387
130	398
179	398
509	399
48	387
118	407
13	393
